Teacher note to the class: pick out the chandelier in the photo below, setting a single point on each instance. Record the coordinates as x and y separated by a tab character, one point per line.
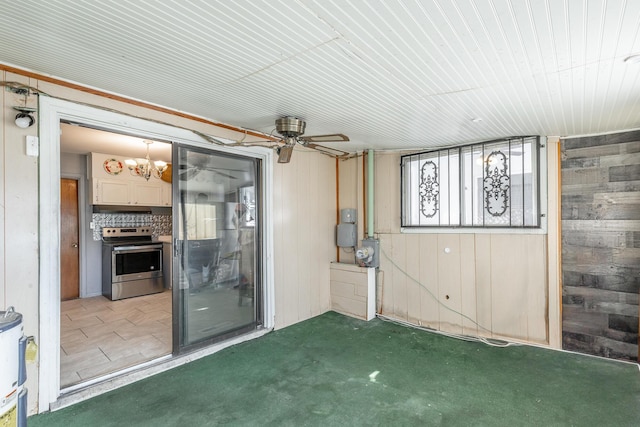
145	168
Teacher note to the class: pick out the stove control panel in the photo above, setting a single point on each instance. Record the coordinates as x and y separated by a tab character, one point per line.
127	231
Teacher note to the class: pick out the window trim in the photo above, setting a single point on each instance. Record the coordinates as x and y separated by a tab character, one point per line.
542	180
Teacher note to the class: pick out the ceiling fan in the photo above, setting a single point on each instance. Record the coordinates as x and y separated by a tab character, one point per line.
291	129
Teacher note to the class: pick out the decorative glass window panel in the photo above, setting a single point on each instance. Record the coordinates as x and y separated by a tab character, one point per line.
434	180
490	184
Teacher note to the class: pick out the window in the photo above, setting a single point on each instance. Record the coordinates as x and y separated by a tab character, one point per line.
489	184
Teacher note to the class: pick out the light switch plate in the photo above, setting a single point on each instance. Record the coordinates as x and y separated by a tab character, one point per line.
32	146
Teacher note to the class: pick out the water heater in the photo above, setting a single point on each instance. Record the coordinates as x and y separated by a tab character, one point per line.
13	374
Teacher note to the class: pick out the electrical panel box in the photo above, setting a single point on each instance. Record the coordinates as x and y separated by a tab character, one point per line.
348	216
346	235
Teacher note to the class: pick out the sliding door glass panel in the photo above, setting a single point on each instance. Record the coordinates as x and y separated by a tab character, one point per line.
217	233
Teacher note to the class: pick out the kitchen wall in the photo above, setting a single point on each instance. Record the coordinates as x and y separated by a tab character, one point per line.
601	244
303	216
160	223
491	284
75	166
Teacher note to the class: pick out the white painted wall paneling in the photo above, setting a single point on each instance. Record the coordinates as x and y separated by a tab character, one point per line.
19	214
350	195
304	198
487	284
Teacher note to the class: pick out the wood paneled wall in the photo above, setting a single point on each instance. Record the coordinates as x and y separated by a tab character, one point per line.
351	195
490	284
19	219
474	284
304	228
601	244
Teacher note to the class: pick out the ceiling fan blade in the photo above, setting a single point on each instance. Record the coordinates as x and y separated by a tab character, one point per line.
284	153
188	174
324	138
185	168
327	150
223	174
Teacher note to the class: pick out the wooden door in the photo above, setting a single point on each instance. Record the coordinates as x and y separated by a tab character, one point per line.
69	240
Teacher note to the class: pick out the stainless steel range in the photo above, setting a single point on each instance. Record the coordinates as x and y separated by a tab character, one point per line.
131	262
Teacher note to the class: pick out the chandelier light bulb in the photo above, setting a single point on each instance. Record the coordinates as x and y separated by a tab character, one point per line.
145	168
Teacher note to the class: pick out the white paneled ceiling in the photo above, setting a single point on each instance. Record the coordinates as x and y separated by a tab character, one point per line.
389	74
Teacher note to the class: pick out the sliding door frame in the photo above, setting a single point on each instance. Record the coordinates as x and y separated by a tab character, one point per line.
180	251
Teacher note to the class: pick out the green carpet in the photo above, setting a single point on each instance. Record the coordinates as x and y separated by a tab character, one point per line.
322	372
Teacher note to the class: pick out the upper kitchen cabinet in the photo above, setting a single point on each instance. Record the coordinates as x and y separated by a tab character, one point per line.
113	184
111	192
167	195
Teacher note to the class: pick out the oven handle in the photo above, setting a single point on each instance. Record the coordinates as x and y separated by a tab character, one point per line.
136	248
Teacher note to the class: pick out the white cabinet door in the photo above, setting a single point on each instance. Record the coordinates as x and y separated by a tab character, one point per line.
147	194
166	195
112	192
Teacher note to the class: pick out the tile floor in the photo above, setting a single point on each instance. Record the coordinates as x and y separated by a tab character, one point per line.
99	336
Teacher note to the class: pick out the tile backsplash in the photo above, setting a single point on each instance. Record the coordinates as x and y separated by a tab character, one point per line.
160	223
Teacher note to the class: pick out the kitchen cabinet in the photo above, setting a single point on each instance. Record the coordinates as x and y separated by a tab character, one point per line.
119	187
110	192
167	199
147	193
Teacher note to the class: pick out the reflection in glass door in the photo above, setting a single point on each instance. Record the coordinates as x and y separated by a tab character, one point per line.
216	217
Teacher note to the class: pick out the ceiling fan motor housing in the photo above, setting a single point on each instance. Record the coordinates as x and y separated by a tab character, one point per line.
290	127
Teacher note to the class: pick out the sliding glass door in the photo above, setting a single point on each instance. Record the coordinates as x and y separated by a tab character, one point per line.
217	229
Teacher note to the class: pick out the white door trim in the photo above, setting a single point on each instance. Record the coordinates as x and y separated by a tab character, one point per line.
51	111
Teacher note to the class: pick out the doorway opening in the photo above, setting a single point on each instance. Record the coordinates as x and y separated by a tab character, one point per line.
257	295
101	332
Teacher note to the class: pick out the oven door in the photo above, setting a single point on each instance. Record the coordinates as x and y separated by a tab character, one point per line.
135	262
